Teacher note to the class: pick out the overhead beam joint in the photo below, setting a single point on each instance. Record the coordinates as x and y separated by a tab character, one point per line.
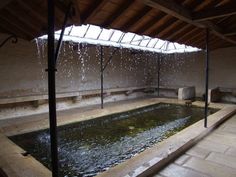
172	8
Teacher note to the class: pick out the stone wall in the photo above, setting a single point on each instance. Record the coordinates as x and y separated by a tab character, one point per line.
188	69
22	68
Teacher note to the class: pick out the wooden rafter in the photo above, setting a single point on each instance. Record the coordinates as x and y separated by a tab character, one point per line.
173	9
205	4
142	19
194	38
187	35
168	30
176	10
133	21
178	32
216	12
20	23
117	14
26	7
230	33
92	11
3	3
149	23
163	27
20	15
77	15
20	30
156	25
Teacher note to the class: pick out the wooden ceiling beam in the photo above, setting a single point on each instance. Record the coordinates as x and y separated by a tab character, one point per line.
171	28
143	19
12	27
150	23
178	32
232	33
195	38
15	15
118	14
156	24
205	4
163	27
200	43
135	19
33	13
187	35
77	15
4	3
172	8
216	12
95	8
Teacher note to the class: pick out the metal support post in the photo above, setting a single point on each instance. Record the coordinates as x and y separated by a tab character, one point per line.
62	31
52	87
207	77
109	59
158	74
101	62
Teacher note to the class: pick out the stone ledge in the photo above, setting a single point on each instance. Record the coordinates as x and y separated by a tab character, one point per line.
14	164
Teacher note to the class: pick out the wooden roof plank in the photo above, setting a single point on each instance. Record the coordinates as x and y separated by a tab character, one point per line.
187	35
150	22
118	14
178	32
93	10
163	27
21	32
4	3
135	19
172	27
176	10
77	14
216	12
173	9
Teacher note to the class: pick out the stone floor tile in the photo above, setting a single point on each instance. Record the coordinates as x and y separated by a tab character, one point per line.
157	175
227	139
210	168
182	159
179	171
231	121
198	152
231	151
230	128
222	159
212	146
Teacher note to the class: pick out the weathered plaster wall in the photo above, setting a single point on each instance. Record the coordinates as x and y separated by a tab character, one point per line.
189	69
22	68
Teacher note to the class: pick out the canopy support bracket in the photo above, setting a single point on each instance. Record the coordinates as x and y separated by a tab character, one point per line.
13	37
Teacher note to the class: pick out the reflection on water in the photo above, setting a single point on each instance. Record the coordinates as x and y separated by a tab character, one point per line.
89	147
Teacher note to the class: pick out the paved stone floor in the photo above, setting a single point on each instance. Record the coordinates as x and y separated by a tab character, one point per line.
214	156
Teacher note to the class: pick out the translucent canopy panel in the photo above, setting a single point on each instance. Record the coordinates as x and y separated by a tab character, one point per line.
96	35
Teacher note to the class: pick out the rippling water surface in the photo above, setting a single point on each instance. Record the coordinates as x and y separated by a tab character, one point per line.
90	147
